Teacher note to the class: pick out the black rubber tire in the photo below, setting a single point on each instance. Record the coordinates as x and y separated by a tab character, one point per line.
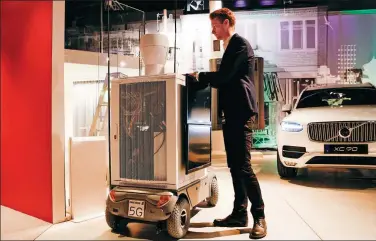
179	220
113	221
285	172
214	193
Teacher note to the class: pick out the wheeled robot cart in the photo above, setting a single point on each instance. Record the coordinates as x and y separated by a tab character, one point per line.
160	143
160	152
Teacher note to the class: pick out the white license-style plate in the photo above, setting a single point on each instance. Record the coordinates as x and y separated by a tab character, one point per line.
136	208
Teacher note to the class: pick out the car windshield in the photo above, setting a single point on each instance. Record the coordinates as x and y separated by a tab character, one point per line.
337	97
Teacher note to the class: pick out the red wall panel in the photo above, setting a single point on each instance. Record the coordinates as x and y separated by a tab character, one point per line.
26	60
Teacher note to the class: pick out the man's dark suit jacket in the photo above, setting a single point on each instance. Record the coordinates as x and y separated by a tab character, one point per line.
234	81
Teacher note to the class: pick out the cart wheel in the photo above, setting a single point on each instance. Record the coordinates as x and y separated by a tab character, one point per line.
113	221
214	193
178	222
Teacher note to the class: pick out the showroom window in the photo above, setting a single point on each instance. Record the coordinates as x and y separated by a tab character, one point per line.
298	34
285	35
311	34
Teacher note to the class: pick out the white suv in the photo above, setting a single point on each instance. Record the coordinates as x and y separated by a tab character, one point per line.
330	126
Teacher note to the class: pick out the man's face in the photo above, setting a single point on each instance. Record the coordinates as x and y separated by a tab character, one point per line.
219	30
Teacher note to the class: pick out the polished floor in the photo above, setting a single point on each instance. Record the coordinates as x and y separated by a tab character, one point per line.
319	205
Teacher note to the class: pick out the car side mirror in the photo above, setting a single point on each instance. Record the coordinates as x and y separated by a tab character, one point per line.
287	108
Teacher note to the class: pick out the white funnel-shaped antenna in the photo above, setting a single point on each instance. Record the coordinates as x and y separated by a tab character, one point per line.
154	50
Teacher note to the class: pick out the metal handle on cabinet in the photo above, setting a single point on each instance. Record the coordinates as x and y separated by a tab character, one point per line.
116	132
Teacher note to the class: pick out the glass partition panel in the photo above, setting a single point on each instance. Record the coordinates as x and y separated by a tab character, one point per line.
85	66
128	21
197	42
144	42
122	28
84	71
165	20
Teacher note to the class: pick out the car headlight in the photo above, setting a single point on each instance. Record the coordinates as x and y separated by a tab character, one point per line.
291	126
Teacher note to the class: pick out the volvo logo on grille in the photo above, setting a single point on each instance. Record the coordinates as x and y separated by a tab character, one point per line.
344	132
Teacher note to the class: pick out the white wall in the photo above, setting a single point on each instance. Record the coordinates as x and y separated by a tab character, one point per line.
94	58
58	125
89	187
87	72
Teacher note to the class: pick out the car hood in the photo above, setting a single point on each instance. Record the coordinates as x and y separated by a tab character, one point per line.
322	114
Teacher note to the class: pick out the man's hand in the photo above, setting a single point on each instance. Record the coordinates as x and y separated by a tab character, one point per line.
194	75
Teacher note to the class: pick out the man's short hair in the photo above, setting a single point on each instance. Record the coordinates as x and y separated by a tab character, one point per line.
222	14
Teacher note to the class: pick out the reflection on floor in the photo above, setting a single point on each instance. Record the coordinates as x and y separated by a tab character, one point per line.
18	226
319	204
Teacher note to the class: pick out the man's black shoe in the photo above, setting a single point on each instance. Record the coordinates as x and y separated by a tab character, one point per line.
236	219
259	229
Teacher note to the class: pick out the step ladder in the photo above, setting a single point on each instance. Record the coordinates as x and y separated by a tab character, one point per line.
99	120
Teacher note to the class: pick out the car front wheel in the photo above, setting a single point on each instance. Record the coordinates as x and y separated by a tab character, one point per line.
285	172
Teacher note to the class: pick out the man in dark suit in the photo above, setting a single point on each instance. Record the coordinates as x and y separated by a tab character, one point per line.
235	84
